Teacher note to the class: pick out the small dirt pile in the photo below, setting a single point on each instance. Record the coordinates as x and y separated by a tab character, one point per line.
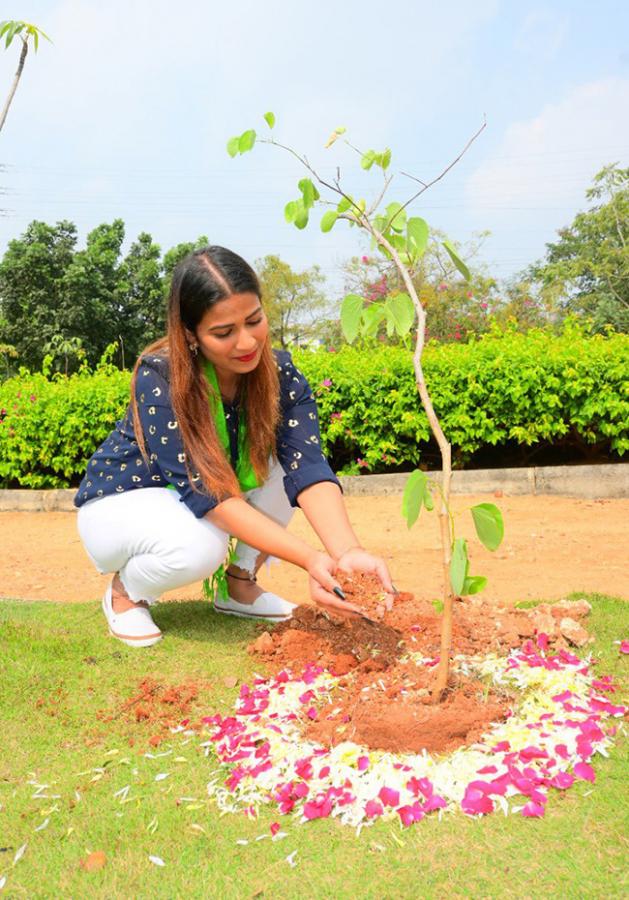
156	707
385	703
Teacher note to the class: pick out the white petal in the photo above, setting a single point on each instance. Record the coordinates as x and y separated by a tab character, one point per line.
157	860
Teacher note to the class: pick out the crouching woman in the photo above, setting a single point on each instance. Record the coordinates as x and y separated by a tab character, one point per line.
221	439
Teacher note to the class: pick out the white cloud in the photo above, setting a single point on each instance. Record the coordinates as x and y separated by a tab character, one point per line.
547	162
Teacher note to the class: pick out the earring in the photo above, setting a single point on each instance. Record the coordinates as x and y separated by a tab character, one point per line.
194	349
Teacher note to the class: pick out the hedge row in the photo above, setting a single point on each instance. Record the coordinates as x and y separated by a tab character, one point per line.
499	391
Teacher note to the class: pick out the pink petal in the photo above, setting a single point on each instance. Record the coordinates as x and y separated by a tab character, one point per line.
476	802
389	797
373	809
363	763
624	646
274	828
562	781
542	641
434	802
533	809
584	771
318	809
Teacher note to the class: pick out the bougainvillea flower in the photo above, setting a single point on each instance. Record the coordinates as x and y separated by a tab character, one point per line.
542	641
584	771
362	764
624	646
274	827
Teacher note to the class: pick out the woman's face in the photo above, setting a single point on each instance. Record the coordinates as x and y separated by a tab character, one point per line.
232	334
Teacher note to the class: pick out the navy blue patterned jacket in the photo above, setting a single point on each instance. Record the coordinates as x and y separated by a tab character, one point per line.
117	466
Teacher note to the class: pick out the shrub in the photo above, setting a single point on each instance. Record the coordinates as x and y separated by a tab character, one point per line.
503	390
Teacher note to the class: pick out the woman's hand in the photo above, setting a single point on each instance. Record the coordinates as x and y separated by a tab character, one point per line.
321	569
358	560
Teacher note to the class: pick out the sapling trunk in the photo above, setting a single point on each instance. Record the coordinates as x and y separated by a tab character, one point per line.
443	669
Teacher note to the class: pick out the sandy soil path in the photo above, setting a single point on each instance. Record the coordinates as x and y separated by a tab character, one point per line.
552	546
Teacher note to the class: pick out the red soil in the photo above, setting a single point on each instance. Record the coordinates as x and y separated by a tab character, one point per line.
386	704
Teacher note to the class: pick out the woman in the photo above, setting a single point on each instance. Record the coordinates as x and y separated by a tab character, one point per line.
221	438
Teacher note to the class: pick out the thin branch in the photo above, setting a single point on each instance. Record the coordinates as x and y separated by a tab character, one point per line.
439	177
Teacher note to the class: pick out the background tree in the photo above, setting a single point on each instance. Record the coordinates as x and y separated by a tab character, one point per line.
455	308
294	301
92	299
25	31
587	269
178	252
67	303
140	307
32	293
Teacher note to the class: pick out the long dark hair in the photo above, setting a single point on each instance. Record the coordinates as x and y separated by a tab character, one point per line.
200	281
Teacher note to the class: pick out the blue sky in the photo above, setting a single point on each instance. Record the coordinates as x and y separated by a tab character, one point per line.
128	113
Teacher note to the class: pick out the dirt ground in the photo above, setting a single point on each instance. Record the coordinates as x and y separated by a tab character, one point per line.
552	546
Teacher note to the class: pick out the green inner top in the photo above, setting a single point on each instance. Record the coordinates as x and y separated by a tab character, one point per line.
245	473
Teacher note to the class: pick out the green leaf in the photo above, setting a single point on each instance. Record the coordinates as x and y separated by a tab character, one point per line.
301	215
247	140
458	565
233	146
372	317
458	262
415	491
384	160
309	192
368	159
489	525
402	312
398	241
473	584
290	210
269	118
344	204
328	219
351	314
417	236
397	216
341	129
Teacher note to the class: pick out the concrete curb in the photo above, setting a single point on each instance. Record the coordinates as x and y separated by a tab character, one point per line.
584	482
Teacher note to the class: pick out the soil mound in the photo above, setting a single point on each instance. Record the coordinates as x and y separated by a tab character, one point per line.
384	698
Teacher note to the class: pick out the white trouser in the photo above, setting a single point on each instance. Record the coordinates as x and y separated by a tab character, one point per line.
157	544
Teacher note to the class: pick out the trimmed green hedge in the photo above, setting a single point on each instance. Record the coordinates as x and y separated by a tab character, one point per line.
502	391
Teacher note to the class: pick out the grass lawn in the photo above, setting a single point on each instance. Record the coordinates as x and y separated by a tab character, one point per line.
59	669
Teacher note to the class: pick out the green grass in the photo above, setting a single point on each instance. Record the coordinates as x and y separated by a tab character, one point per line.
60	654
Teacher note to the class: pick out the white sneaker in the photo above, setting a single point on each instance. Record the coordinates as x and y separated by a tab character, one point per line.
134	627
268	606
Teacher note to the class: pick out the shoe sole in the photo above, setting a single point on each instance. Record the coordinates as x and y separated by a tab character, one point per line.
267	618
136	642
145	641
